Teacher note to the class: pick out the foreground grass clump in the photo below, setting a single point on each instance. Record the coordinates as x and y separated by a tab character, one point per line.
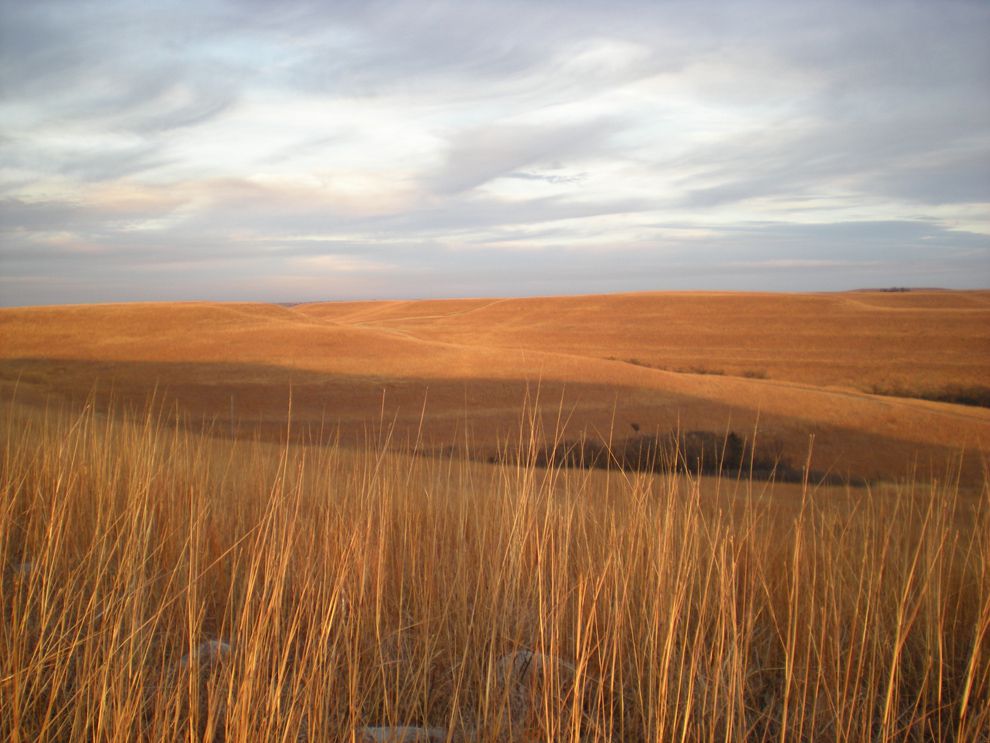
158	584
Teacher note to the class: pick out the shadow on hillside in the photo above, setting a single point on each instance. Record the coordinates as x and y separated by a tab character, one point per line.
694	452
480	419
973	396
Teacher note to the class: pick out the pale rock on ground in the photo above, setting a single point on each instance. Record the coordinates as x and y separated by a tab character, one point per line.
517	675
209	652
402	734
23	569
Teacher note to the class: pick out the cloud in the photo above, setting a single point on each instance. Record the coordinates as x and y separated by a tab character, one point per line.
336	264
104	60
947	178
491	146
551	178
923	161
478	155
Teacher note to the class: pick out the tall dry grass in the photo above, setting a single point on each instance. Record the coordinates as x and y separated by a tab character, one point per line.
350	588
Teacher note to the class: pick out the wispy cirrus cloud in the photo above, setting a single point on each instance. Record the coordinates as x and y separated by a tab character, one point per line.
478	155
402	148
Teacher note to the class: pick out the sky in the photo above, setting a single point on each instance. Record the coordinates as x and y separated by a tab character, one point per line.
300	151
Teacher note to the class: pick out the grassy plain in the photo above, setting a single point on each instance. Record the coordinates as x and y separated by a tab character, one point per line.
798	365
360	564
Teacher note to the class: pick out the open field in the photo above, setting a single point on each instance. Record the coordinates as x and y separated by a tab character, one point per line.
162	585
795	366
353	522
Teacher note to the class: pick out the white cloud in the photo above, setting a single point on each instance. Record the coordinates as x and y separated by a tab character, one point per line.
334	264
416	138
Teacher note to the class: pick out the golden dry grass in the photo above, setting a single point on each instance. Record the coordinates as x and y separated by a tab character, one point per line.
284	546
367	587
855	340
618	360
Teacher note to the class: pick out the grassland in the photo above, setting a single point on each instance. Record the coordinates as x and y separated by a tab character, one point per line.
795	365
367	587
253	522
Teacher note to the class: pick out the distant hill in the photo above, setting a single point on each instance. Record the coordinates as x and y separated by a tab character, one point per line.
449	371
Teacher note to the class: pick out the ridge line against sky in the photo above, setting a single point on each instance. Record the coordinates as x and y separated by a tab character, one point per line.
300	151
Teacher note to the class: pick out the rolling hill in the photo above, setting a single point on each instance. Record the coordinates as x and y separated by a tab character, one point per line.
792	366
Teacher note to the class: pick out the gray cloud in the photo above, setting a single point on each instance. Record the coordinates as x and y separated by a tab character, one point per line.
19	215
16	215
671	140
952	179
476	156
896	155
745	256
547	177
104	165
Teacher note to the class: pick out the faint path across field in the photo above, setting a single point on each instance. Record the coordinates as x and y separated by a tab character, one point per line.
791	361
904	419
882	401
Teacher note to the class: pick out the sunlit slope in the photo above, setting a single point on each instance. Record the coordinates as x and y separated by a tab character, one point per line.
437	368
910	341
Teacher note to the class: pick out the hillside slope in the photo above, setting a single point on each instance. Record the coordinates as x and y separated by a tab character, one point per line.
795	365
